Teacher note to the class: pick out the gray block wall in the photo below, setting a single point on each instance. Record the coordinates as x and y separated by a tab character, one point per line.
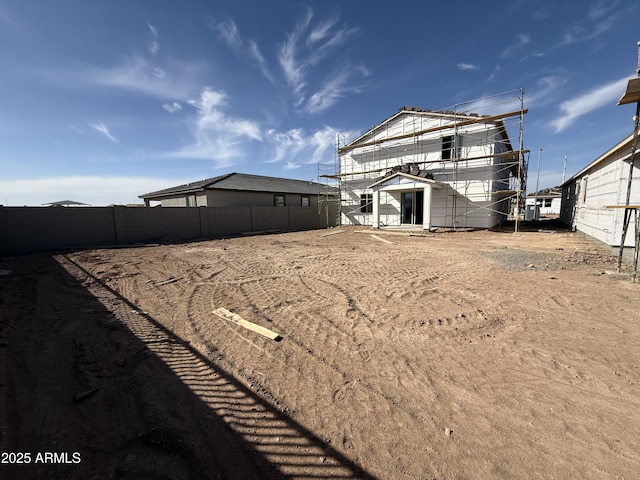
37	229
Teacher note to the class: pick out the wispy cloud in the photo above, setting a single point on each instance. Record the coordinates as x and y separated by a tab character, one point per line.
321	31
217	136
292	68
495	73
601	8
580	32
158	72
254	52
178	79
228	32
299	57
102	128
600	18
546	91
169	78
291	166
521	40
467	66
172	107
298	147
225	139
152	45
329	93
574	108
304	49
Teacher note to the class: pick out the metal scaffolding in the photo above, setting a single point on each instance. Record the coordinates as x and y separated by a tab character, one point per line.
421	148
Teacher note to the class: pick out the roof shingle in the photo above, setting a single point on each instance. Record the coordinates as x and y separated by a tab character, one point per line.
242	181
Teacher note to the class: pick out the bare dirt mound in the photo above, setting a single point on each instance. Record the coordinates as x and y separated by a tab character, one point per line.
455	355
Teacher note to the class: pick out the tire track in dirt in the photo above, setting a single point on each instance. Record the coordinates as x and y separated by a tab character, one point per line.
345	381
251	419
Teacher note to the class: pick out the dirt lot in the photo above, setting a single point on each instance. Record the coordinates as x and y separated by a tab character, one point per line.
452	355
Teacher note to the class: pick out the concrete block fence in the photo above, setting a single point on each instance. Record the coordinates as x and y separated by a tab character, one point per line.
35	229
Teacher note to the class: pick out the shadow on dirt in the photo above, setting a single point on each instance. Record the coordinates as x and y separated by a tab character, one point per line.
114	394
545	224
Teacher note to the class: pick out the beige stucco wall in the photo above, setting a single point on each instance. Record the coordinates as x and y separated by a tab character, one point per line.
238	198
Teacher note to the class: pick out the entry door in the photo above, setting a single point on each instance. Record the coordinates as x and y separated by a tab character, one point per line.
412	207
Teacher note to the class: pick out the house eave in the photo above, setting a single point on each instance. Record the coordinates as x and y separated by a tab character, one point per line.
604	157
433	183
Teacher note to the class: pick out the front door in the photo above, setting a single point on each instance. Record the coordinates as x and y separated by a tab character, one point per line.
412	207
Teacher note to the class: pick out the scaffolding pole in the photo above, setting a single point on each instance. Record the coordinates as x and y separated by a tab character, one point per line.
632	94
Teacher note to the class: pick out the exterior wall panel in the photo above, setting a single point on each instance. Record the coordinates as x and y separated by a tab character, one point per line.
586	196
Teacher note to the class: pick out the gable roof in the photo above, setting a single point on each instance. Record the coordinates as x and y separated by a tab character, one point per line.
453	119
64	203
243	182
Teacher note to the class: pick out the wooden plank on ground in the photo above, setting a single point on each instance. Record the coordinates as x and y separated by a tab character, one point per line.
333	232
386	232
238	320
381	239
171	280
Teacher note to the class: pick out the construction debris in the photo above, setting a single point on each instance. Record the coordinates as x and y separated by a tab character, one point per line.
171	280
238	320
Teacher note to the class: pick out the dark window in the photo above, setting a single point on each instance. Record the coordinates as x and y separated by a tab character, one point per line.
305	201
366	203
451	147
278	200
547	202
447	147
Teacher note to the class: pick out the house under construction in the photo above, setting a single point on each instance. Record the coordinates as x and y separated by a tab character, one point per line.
428	169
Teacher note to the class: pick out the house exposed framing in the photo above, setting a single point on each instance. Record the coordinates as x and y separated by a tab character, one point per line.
441	147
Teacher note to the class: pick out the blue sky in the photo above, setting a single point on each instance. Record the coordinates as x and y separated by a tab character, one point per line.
105	100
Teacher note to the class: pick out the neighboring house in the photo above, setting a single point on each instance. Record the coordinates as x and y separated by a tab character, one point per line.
549	201
430	169
65	203
243	190
600	184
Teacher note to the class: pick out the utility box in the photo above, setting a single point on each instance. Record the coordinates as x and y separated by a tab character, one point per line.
532	213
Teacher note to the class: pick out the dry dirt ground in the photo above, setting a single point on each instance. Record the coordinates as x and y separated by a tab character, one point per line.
477	354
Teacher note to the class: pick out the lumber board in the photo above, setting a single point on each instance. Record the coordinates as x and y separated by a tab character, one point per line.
238	320
171	280
334	232
397	233
381	239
